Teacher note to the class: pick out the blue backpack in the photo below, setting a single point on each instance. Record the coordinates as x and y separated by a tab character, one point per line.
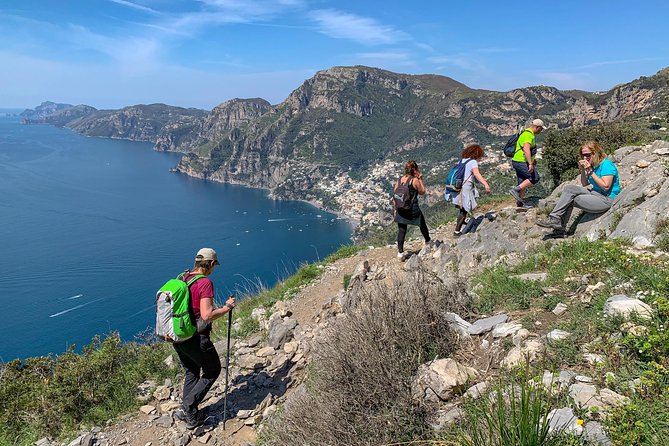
456	177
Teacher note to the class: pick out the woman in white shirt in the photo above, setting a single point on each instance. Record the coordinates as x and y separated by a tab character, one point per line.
465	200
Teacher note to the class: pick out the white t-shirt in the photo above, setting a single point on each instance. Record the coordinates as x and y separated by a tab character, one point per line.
468	169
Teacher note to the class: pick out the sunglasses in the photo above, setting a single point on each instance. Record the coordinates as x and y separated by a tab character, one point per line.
586	155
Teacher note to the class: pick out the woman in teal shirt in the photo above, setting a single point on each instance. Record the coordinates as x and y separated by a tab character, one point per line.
596	171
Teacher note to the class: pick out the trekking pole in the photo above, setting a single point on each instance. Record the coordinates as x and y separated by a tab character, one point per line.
227	368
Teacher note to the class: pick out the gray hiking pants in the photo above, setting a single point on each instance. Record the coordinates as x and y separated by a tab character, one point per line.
585	199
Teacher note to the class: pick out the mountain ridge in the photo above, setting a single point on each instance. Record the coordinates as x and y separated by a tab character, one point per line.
344	123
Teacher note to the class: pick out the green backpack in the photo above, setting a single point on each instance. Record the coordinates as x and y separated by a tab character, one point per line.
175	321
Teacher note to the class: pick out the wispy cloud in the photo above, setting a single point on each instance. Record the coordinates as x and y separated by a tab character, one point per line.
385	58
221	12
462	61
131	55
365	30
135	6
617	62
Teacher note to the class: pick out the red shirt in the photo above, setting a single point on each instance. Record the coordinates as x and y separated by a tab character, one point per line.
202	288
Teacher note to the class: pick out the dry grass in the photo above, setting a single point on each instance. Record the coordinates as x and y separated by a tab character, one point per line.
359	386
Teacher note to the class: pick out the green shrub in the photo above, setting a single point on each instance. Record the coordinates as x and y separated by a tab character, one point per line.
52	395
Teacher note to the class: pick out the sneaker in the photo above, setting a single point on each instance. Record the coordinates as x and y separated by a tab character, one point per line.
457	233
192	420
526	206
516	195
551	223
400	256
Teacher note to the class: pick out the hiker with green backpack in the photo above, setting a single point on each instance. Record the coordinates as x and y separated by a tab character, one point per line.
187	324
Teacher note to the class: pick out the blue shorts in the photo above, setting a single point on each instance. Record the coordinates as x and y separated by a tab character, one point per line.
523	173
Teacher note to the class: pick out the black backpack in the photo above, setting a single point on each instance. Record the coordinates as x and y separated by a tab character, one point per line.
510	146
402	197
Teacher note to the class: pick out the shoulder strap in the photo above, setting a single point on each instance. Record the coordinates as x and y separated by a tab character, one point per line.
191	280
521	148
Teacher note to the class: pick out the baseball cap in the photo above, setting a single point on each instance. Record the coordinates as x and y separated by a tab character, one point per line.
539	123
207	254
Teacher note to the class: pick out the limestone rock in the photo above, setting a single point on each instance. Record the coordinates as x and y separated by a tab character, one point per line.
280	331
563	421
266	351
147	409
532	277
162	393
506	329
595	435
559	309
446	417
251	362
527	352
620	304
587	396
520	336
594	358
485	325
458	324
439	380
558	335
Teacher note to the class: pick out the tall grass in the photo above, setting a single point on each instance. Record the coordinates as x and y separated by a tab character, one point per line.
514	414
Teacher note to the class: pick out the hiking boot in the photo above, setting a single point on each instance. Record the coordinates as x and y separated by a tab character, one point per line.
551	223
192	420
516	195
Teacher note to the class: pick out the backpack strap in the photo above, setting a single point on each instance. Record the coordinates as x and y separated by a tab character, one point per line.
191	280
518	150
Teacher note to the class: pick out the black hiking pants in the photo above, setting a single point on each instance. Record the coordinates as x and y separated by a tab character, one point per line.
402	233
203	366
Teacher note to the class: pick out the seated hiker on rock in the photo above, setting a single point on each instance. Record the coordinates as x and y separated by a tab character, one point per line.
596	171
465	200
407	210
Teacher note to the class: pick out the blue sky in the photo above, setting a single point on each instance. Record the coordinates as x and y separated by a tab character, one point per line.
199	53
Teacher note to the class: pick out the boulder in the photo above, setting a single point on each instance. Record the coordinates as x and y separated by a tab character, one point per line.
559	309
506	329
563	421
587	396
440	380
458	324
526	352
622	305
484	325
280	331
594	434
557	335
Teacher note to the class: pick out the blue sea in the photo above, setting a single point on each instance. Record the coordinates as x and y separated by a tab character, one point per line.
90	228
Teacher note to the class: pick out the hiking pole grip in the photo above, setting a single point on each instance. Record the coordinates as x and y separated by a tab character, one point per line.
227	368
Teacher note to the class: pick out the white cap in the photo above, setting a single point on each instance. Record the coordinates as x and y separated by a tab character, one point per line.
207	254
539	123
